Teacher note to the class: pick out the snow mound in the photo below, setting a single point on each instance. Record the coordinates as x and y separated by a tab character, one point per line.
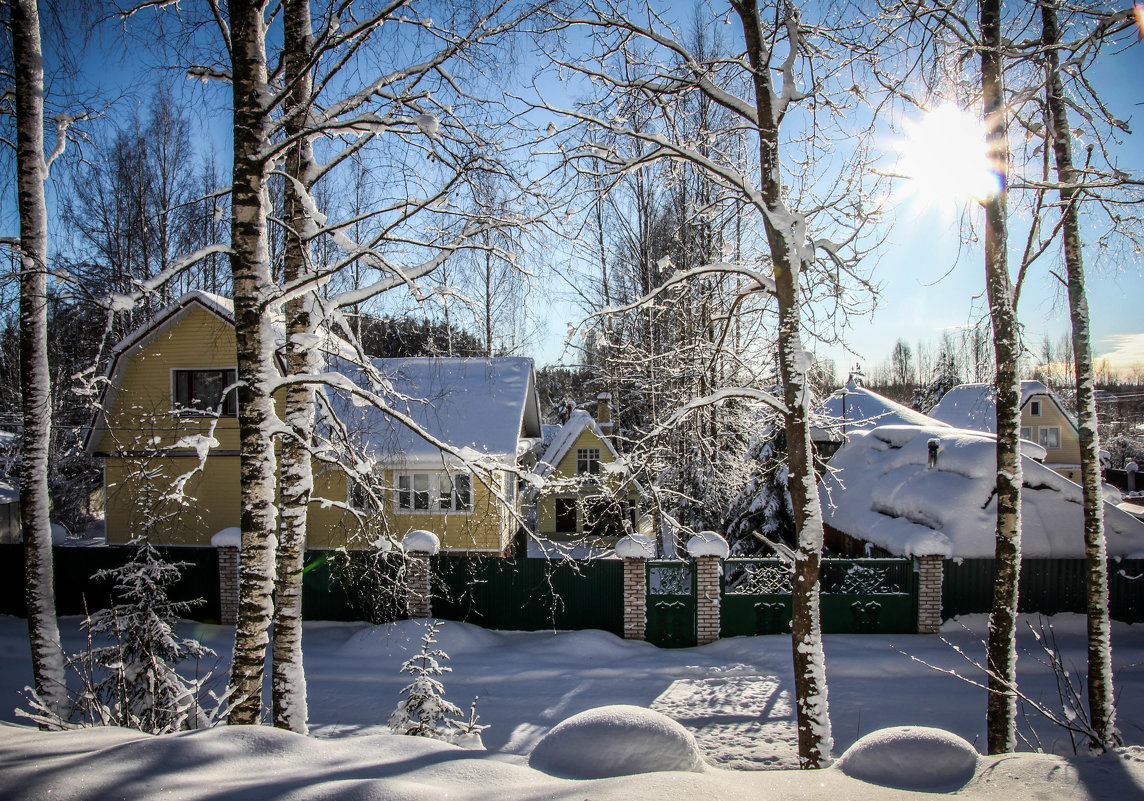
911	758
227	538
420	541
708	543
403	639
635	546
616	740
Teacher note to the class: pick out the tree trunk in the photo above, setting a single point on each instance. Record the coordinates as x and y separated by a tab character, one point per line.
1001	659
814	737
250	268
35	384
1101	699
289	678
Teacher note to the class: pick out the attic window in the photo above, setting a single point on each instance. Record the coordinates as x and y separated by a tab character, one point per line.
588	461
202	391
1035	408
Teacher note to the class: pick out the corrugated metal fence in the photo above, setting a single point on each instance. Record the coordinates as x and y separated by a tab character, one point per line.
1048	586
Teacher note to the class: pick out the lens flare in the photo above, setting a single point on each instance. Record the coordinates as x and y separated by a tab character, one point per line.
944	157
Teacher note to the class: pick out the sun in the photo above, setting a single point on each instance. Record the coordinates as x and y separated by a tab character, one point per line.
943	155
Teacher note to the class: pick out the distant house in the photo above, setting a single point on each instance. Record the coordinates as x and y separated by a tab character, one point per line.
1043	420
925	490
856	408
443	457
584	492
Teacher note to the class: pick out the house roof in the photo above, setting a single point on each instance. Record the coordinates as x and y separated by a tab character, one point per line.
880	489
856	408
485	406
974	406
577	423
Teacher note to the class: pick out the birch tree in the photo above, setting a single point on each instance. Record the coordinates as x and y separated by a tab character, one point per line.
32	165
810	252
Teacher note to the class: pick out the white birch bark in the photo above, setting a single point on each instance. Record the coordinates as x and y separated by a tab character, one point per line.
32	172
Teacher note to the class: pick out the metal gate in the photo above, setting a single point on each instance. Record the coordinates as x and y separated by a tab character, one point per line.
857	596
671	606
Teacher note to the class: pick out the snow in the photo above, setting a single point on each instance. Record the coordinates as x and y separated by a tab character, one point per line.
619	740
734	696
635	546
855	408
911	758
708	543
484	405
230	537
974	406
420	541
880	489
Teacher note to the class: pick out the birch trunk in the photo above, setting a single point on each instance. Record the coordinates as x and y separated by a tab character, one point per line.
1101	700
814	736
289	678
32	172
1001	657
250	269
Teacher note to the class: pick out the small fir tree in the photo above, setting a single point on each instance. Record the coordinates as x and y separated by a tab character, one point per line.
138	683
423	711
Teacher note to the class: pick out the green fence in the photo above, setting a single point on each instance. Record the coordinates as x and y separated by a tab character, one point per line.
77	588
530	594
1047	586
858	596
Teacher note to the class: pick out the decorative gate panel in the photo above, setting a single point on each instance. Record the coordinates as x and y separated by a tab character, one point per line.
671	615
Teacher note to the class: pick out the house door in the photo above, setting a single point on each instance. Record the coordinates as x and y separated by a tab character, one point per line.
566	516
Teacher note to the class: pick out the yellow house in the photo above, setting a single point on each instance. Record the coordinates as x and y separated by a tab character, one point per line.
1043	420
441	455
585	493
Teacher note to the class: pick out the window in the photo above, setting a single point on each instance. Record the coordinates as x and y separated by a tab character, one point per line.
588	461
1050	437
360	498
1027	433
202	391
434	492
566	515
1035	408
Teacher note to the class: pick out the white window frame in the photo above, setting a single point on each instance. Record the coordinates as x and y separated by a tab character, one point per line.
1034	408
1055	431
1027	433
444	492
588	457
358	499
190	411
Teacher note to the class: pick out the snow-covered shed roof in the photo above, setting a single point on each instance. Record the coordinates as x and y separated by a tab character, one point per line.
577	422
485	406
974	406
856	408
880	489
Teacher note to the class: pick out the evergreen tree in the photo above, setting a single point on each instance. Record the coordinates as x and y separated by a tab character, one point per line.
423	710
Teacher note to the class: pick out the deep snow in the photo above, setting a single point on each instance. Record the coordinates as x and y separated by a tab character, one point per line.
734	696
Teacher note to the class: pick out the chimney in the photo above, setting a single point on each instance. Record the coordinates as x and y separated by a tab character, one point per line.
604	413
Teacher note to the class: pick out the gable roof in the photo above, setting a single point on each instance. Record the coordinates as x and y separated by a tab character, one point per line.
855	408
578	422
482	405
974	406
164	320
880	489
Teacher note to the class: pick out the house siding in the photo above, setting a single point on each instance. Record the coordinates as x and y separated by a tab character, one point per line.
546	505
1058	458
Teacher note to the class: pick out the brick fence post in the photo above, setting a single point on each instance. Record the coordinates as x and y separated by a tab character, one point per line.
929	594
418	547
635	550
709	550
227	542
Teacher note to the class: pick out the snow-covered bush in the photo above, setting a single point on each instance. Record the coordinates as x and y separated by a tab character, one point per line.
133	681
763	504
423	710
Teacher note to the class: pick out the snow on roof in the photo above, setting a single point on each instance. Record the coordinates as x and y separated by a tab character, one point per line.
855	408
564	439
974	406
481	404
880	490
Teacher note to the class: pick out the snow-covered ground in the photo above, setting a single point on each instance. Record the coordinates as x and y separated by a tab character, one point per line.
734	697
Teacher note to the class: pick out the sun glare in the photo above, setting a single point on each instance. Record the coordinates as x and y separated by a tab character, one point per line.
944	157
